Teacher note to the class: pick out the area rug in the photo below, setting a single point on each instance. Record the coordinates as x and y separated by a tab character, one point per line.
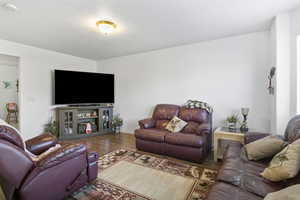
131	175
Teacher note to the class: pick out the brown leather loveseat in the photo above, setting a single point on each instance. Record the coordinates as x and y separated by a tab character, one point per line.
192	143
240	179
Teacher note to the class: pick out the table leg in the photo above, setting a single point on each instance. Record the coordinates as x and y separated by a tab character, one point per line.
216	148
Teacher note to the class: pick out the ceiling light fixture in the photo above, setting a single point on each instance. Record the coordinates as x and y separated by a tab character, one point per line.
106	27
10	7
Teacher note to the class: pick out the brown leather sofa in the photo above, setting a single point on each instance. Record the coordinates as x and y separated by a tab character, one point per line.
192	143
239	178
53	177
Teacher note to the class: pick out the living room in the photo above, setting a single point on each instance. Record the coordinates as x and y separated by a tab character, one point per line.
149	100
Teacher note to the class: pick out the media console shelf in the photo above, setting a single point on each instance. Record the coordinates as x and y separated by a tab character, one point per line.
83	121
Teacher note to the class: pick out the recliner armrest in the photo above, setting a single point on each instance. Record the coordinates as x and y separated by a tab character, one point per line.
253	136
204	129
147	123
92	157
61	155
41	143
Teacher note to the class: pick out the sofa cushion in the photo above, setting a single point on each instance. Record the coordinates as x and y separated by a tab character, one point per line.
196	115
183	139
285	164
165	111
290	193
223	191
191	127
233	150
155	135
265	147
161	124
292	131
238	171
176	125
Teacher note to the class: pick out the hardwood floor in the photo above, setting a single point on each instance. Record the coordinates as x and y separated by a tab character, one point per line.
107	143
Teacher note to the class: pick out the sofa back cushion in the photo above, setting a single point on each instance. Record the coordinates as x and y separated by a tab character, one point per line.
10	134
161	124
191	127
292	131
194	117
165	112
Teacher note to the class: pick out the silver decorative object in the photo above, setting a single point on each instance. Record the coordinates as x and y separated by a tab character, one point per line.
244	126
270	77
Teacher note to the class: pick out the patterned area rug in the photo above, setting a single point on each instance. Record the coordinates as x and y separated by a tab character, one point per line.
132	175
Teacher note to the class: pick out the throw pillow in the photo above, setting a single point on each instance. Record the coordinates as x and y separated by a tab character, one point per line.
176	125
264	148
285	164
289	193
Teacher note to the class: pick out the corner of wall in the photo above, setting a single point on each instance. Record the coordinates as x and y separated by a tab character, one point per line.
99	66
281	59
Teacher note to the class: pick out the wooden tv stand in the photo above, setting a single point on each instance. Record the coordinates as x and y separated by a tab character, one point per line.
73	120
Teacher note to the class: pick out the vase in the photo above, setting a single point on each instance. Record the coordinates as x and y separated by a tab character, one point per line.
231	126
117	129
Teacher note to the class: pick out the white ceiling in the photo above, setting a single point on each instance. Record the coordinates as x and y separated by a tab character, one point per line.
68	26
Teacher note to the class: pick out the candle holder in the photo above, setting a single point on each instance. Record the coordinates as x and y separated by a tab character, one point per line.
244	126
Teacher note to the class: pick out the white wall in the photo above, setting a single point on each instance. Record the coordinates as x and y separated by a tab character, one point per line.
285	103
8	72
228	73
295	72
282	58
273	54
36	66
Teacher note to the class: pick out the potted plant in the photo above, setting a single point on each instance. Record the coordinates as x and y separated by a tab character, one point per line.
117	123
51	127
232	121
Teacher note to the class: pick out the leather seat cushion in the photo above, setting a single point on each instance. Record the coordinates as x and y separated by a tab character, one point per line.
185	139
155	135
223	191
246	175
233	150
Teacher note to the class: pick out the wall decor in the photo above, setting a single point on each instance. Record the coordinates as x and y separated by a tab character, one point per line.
6	84
244	126
270	77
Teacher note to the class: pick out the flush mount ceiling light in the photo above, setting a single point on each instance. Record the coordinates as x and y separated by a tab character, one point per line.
10	7
106	27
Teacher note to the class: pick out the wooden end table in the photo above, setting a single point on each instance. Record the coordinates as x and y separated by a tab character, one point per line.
226	134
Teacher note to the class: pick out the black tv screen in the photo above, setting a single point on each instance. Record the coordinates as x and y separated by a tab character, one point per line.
83	87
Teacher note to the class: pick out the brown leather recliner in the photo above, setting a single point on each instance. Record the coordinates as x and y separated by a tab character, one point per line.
192	143
53	177
240	178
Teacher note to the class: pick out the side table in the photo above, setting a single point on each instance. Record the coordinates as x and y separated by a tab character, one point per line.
222	133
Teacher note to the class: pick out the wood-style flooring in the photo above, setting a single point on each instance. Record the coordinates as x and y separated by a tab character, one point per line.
110	142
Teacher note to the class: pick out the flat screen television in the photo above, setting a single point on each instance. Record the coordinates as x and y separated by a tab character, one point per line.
83	87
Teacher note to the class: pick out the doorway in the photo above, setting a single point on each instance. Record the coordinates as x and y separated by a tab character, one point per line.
9	89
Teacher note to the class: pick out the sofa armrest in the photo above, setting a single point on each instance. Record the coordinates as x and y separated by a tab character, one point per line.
147	123
92	157
204	129
253	136
41	143
61	155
